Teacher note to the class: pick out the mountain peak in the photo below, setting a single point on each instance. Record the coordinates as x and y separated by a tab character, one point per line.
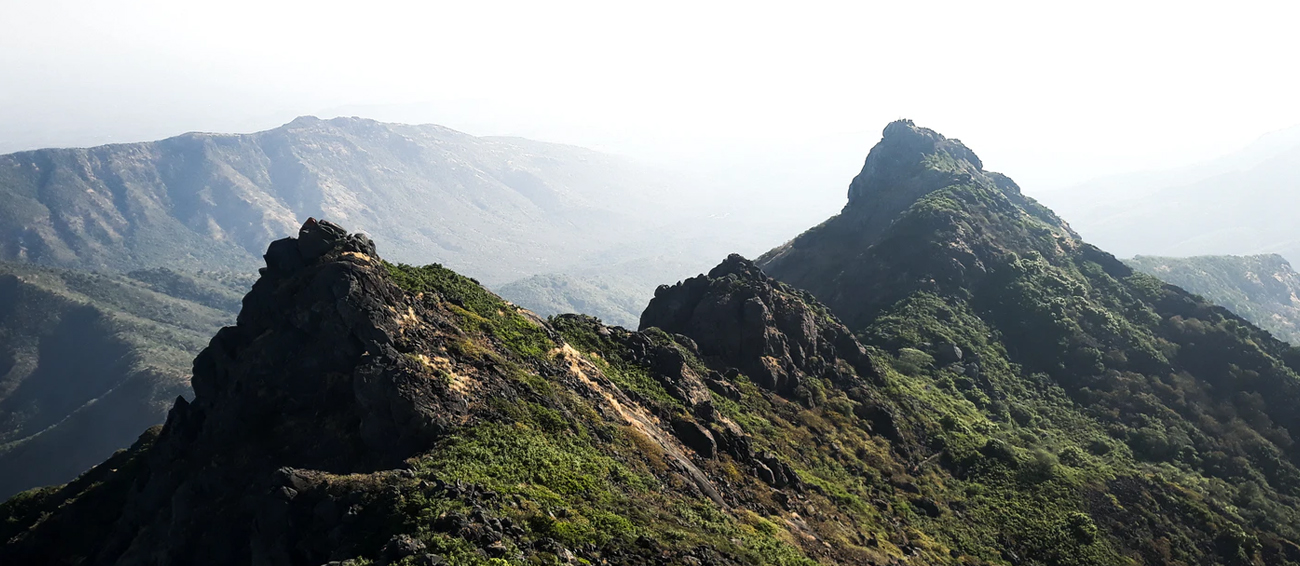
304	121
916	189
910	159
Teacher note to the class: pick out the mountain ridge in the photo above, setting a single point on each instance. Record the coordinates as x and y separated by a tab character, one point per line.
970	383
1079	337
222	195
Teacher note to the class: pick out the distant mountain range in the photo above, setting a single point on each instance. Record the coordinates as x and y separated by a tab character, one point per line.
127	250
1245	203
497	209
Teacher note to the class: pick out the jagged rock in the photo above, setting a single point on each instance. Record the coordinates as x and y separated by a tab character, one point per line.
696	437
929	506
732	439
451	522
948	354
764	473
773	333
322	318
678	378
776	473
401	546
283	256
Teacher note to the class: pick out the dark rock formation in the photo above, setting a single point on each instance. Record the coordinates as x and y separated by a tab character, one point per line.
696	437
312	376
775	334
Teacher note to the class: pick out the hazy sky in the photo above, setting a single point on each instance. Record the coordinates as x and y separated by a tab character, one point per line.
1046	93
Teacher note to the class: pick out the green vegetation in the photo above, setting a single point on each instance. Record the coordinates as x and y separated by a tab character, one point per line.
1015	397
1096	416
556	467
1262	289
477	307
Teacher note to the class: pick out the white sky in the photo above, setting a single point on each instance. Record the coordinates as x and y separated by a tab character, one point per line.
1048	93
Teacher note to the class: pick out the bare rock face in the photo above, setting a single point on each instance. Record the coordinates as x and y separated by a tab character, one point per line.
319	373
320	335
777	335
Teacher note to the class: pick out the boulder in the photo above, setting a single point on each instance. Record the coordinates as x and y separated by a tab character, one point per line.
696	437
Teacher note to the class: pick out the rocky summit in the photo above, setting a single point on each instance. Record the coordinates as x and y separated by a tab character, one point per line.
943	373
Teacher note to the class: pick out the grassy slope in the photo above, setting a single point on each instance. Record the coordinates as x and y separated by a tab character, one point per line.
1007	467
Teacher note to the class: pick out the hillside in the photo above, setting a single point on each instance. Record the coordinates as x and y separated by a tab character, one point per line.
1262	289
556	228
376	412
1171	416
964	381
87	360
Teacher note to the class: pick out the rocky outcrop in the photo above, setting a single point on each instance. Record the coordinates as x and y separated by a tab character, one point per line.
319	373
776	335
321	335
341	372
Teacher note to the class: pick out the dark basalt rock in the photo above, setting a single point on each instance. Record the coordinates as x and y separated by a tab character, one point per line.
311	377
775	334
948	354
695	436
